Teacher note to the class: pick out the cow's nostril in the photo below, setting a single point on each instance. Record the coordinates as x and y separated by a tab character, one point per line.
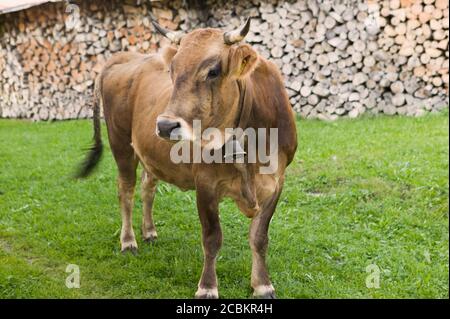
165	127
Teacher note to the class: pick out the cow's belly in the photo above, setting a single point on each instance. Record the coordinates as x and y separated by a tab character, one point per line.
154	155
178	175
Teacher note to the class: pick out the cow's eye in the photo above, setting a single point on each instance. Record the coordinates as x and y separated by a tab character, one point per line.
214	72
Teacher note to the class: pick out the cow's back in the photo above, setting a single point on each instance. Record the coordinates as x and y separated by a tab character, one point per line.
121	75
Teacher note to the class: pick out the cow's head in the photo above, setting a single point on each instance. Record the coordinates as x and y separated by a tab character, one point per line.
205	69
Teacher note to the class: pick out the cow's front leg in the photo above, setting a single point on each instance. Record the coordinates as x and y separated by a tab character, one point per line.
208	210
259	240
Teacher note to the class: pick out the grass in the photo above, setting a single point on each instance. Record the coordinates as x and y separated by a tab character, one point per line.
359	192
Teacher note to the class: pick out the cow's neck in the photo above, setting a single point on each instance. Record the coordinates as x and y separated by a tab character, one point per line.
245	104
246	170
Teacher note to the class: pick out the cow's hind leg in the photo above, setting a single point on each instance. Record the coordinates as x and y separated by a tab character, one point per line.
126	184
259	240
148	190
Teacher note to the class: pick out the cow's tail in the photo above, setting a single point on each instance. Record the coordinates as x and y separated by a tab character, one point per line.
95	151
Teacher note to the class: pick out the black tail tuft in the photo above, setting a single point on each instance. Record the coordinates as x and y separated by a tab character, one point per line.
90	162
95	152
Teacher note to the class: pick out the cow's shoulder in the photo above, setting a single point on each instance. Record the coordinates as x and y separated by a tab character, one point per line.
272	106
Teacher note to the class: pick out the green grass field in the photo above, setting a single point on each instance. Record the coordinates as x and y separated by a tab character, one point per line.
359	192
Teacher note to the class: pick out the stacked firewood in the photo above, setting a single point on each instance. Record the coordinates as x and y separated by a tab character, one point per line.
338	58
50	55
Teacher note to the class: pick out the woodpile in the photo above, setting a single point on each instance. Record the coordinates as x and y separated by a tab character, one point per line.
338	58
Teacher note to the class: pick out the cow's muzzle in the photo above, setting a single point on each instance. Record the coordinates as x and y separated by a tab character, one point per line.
167	128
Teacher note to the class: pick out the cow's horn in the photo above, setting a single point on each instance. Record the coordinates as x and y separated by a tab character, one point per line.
173	36
234	36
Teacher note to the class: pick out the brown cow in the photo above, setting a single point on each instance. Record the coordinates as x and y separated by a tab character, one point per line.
213	78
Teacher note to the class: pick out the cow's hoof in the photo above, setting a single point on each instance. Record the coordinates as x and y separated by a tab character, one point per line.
149	240
264	292
129	248
132	250
150	237
207	293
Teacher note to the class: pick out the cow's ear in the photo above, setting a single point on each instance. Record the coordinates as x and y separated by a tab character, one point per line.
242	61
168	53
